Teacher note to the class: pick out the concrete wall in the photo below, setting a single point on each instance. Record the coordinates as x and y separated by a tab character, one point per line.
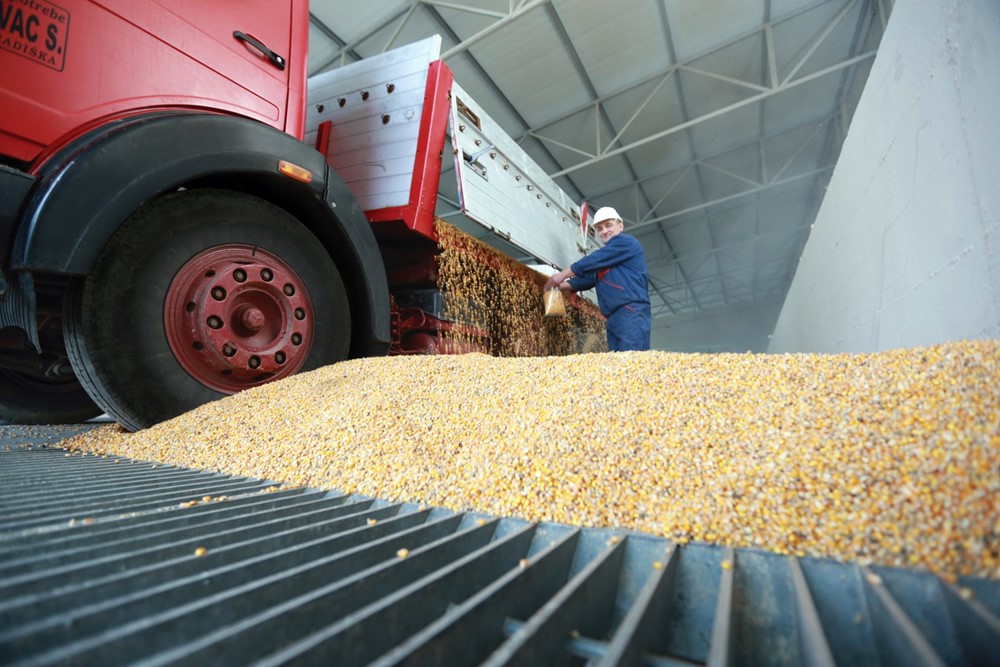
905	250
744	330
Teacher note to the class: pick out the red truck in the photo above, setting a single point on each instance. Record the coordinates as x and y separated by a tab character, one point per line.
185	214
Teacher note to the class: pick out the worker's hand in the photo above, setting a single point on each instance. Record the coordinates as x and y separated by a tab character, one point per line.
559	280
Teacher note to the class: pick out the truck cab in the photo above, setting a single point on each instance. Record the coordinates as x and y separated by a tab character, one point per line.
166	236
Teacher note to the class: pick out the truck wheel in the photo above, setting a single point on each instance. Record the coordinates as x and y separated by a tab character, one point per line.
201	294
27	399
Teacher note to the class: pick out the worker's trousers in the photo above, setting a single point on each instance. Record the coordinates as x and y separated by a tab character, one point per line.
628	327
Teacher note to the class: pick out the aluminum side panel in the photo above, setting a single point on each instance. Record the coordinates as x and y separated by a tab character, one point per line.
375	106
504	190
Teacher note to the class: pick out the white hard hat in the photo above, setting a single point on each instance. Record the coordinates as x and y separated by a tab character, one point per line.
606	213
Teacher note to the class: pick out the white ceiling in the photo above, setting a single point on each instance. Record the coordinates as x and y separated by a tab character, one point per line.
711	125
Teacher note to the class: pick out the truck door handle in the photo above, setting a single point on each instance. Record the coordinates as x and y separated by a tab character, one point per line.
273	57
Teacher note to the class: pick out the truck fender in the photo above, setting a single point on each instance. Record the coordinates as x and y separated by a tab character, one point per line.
86	190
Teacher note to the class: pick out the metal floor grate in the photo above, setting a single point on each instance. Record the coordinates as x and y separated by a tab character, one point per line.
98	566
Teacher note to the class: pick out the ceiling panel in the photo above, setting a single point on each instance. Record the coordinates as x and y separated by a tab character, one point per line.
699	27
615	37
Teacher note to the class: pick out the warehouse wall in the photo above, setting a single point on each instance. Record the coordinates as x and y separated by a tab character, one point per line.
727	330
905	250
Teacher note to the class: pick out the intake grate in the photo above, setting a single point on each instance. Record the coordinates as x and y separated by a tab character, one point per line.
98	566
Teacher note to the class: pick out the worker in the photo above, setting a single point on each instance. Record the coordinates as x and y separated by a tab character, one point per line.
618	271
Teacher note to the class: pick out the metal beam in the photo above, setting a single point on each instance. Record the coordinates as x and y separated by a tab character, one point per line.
671	69
734	244
467	8
349	48
682	103
725	151
819	41
768	287
514	13
726	79
722	200
707	280
714	114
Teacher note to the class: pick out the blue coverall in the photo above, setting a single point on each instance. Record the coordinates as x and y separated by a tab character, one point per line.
618	271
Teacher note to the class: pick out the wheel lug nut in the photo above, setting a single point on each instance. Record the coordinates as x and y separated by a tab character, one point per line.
266	275
279	357
215	322
239	275
300	314
289	289
218	293
254	362
253	319
297	338
228	350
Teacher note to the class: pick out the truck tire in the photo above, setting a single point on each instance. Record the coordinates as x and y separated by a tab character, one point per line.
25	399
201	294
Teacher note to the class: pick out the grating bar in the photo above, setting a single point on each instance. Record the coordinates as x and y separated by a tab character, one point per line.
154	569
842	607
78	499
581	608
211	596
979	634
97	480
98	483
126	598
305	576
171	495
133	526
720	652
361	636
812	642
298	612
643	625
899	640
296	515
207	539
519	593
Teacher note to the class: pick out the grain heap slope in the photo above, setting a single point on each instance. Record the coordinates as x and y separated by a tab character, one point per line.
891	458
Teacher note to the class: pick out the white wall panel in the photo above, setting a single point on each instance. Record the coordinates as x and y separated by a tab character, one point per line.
905	250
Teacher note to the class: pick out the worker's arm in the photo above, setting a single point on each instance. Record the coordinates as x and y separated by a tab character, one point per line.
582	283
618	250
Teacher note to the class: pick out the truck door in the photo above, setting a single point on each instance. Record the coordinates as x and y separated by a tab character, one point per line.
68	65
222	37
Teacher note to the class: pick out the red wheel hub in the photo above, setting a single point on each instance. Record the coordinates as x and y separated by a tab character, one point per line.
237	316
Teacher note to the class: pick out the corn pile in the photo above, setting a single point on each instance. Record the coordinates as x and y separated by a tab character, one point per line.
890	458
503	296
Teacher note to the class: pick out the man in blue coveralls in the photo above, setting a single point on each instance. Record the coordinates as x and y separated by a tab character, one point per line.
618	271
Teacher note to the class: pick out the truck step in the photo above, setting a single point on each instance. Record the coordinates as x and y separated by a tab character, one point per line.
112	561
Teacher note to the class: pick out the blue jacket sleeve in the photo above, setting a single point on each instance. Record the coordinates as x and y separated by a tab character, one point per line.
617	251
582	283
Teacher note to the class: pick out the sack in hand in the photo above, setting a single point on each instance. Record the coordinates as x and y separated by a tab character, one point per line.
554	304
